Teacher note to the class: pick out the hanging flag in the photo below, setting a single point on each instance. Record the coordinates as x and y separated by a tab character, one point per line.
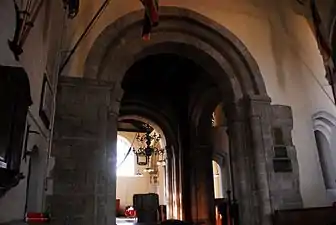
323	43
151	17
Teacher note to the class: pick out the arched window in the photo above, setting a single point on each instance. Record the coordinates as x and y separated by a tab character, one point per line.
218	185
324	153
125	157
325	131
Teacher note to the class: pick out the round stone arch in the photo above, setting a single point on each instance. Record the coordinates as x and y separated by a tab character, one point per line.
145	112
183	32
229	65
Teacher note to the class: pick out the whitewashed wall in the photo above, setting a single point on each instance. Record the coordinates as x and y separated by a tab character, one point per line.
33	60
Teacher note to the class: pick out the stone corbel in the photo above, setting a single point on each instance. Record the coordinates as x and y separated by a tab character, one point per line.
257	104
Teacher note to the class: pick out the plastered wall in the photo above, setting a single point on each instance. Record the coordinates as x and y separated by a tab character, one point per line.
33	60
128	186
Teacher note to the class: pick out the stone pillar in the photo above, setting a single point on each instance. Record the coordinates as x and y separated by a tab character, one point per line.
178	181
84	147
202	187
174	185
220	155
169	185
242	182
260	115
249	128
258	189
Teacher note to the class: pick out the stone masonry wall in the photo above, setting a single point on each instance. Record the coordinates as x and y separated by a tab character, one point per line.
286	184
84	148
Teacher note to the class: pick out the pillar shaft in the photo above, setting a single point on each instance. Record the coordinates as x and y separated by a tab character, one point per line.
84	147
201	185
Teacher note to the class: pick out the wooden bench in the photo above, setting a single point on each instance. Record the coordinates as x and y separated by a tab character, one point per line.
308	216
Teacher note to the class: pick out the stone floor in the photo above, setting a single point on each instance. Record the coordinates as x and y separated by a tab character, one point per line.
119	221
125	221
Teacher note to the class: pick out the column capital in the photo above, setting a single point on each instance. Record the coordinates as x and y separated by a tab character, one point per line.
258	105
258	98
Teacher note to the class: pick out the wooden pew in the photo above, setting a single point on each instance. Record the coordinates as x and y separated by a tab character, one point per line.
308	216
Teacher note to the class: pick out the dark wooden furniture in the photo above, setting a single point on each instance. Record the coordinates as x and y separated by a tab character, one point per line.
309	216
146	206
14	102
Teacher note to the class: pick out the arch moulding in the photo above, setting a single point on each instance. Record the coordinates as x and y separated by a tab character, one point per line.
183	32
231	68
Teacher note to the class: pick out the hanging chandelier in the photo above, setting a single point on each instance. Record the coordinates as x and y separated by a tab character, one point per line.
149	146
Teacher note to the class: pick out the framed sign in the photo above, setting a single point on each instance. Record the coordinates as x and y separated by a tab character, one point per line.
46	102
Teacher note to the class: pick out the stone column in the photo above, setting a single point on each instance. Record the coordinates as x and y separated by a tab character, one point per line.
242	170
260	117
169	186
220	155
84	147
178	188
249	128
202	187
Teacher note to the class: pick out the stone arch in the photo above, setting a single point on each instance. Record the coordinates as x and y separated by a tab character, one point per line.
204	103
145	112
148	113
234	73
216	46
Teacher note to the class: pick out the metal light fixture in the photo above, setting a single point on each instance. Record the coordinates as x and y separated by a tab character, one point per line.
72	6
149	146
149	170
26	14
161	161
138	174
